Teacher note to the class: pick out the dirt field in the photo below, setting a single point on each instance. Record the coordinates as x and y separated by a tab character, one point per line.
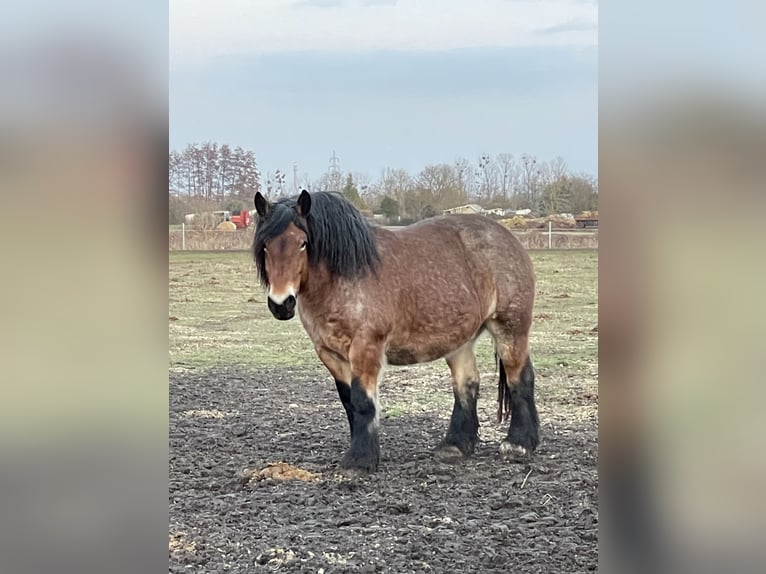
247	393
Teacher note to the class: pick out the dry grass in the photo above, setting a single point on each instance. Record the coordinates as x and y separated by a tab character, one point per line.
207	414
179	543
281	471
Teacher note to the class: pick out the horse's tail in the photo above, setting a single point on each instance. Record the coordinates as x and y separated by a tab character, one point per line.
503	392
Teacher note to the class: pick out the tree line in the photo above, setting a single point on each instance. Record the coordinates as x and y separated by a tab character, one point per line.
230	177
213	172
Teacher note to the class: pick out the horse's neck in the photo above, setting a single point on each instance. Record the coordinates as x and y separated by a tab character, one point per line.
319	286
322	291
315	303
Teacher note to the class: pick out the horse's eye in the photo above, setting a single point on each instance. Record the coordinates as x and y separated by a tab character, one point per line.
303	245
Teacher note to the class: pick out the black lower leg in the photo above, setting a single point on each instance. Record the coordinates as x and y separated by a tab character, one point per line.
364	451
344	392
463	431
524	426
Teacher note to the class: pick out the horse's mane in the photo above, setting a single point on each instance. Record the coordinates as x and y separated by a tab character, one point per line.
338	235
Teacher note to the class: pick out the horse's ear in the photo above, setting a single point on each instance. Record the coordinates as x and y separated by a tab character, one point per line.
262	205
303	205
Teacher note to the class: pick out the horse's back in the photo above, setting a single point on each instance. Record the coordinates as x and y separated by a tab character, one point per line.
469	249
496	258
484	239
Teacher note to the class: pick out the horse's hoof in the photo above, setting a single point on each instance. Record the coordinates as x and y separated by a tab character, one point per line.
351	473
513	450
356	466
448	453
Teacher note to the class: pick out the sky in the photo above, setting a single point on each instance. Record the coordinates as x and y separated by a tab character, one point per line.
386	83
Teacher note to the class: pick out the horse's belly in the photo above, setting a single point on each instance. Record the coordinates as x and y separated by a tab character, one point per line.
401	356
440	335
409	355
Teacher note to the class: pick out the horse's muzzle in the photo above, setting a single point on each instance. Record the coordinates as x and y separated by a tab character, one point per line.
284	310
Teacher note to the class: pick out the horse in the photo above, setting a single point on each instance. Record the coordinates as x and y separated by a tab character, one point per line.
369	296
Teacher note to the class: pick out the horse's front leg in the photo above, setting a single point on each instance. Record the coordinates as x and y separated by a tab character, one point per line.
364	452
340	369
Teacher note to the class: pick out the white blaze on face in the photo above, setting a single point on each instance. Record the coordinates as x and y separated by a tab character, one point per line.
279	298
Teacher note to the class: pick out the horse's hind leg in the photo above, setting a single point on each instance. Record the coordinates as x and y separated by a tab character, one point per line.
517	378
463	431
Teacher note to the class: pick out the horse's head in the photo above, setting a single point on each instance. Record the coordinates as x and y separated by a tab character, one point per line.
281	251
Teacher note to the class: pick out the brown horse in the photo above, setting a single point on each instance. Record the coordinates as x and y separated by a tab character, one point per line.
369	296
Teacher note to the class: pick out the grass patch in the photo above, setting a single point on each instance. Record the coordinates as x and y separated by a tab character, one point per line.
220	316
395	410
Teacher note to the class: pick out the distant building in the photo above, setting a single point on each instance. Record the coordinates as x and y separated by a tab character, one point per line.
587	221
513	212
469	208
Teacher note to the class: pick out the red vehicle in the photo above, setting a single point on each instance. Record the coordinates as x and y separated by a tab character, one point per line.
240	218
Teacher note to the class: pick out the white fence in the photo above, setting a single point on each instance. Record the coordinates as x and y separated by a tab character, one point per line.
194	239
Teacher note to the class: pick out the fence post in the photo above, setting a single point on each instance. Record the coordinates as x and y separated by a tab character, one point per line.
183	237
550	234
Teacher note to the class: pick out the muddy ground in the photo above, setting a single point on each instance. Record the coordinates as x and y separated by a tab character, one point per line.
416	514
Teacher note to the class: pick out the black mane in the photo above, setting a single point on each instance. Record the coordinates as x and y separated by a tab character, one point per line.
338	235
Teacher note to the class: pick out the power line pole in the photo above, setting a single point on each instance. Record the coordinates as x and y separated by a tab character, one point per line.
334	164
335	177
295	176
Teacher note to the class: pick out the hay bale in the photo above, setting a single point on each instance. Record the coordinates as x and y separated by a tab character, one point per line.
227	226
561	221
516	222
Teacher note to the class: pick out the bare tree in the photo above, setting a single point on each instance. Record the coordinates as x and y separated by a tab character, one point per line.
269	185
556	168
418	203
489	177
367	190
225	169
508	172
584	194
279	180
556	196
177	183
213	172
530	180
397	184
466	180
440	184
